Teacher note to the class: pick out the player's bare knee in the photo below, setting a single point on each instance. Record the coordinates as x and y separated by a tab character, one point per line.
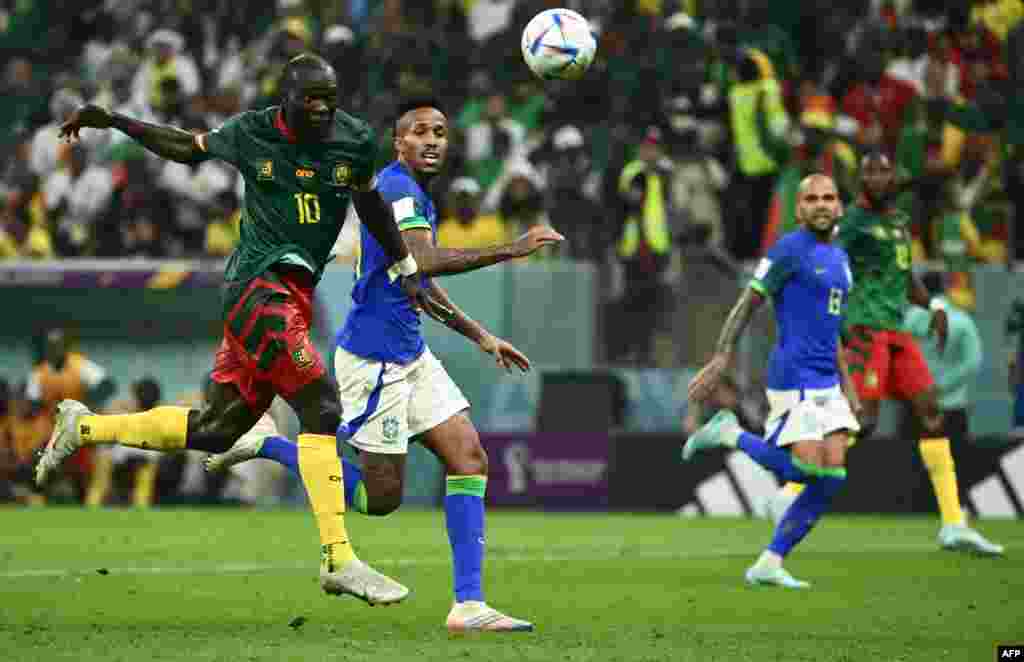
382	476
471	461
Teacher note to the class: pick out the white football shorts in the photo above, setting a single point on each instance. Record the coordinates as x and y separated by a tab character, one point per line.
808	415
386	404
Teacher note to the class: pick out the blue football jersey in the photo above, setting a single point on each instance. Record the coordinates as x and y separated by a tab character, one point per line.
382	324
809	283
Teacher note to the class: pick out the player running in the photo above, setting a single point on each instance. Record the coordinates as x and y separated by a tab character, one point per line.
885	361
393	387
811	396
302	162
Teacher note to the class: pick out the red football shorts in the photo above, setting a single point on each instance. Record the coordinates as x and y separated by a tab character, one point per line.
266	348
886	365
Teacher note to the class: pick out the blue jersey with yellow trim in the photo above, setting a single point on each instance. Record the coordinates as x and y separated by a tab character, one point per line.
382	324
809	283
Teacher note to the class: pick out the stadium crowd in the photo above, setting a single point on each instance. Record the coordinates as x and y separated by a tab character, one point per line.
692	129
690	132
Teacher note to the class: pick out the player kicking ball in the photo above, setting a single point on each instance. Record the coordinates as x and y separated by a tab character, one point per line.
886	361
812	399
393	388
302	163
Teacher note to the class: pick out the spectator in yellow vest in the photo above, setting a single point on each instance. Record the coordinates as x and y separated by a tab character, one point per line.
464	226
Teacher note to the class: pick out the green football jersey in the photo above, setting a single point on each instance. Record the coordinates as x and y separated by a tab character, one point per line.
296	194
879	250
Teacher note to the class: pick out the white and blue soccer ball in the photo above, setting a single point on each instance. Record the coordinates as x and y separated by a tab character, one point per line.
558	43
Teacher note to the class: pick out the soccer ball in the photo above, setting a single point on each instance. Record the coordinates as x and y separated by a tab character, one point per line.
558	43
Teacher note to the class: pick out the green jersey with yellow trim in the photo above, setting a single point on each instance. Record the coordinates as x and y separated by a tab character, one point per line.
296	194
878	246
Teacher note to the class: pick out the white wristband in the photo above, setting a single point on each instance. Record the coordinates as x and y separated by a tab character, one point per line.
405	267
936	304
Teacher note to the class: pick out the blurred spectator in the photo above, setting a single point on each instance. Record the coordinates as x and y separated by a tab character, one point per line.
998	16
645	248
518	199
818	150
193	189
759	129
47	147
24	107
27	428
222	233
491	140
76	196
60	374
956	367
465	226
1015	359
572	186
166	61
878	103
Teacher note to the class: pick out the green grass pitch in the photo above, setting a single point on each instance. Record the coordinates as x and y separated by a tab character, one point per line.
225	584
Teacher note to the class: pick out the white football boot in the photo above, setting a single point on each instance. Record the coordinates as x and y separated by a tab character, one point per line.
963	538
65	440
359	580
473	616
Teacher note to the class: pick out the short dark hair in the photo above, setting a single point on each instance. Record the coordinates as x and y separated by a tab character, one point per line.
147	391
304	62
877	154
417	102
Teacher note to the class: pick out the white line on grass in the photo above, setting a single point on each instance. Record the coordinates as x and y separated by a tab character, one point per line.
587	556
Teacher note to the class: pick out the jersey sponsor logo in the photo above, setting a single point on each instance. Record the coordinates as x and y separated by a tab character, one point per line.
389	426
265	170
342	174
302	358
305	173
762	268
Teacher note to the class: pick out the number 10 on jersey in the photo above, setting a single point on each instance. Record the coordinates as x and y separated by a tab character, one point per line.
308	205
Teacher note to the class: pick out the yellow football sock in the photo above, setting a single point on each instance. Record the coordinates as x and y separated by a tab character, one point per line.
163	428
320	468
99	482
145	485
942	471
793	489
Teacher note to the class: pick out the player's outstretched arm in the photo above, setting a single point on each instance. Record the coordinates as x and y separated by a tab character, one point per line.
165	141
505	355
439	261
739	317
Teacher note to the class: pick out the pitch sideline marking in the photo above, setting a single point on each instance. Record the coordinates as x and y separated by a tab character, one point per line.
613	554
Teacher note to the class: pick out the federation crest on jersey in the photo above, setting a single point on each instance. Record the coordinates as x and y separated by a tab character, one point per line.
389	427
342	174
302	358
265	170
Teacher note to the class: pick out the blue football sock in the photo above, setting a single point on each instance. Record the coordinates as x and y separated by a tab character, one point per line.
773	458
281	450
805	512
285	451
464	515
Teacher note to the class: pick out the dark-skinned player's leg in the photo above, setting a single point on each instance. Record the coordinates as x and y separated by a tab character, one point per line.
456	443
912	381
299	375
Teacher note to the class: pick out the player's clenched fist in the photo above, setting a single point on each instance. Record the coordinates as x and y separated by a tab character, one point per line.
536	237
88	116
